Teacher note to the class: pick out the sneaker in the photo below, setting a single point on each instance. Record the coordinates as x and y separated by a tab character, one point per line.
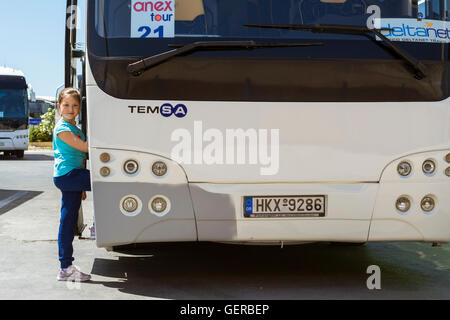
72	273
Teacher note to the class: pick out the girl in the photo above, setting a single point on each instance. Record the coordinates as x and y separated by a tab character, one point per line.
69	148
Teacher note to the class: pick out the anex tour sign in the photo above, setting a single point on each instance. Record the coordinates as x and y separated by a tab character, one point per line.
153	19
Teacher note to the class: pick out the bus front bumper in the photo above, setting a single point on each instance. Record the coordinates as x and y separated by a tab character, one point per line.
16	140
357	212
6	144
202	211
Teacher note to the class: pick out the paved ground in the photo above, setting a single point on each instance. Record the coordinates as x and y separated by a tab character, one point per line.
29	219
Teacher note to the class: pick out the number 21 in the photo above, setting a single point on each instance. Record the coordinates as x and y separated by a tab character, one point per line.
147	31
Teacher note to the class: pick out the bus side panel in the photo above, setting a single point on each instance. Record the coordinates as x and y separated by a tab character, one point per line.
114	228
389	224
114	225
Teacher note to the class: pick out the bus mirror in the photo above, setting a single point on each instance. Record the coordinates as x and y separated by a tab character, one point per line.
31	93
78	53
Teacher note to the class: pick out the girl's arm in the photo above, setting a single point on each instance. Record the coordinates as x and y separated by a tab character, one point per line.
72	140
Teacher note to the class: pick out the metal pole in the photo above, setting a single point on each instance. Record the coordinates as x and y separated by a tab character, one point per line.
67	46
74	42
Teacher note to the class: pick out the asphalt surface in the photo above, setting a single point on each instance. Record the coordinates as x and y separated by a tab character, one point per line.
29	220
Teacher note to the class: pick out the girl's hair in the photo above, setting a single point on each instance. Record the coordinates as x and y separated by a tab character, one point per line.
69	92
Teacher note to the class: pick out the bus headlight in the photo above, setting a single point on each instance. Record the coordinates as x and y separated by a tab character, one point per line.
447	158
403	204
159	205
131	166
428	167
404	168
447	172
427	204
159	168
130	205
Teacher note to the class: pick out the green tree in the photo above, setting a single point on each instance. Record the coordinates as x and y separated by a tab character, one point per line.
44	131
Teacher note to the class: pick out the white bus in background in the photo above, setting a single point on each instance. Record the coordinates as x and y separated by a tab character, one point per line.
13	112
267	120
41	105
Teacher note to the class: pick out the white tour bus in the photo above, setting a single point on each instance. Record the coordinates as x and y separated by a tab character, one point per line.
13	112
267	121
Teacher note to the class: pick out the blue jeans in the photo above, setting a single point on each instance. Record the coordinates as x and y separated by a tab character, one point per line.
71	185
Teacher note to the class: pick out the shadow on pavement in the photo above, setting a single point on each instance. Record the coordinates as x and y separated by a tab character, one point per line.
10	199
38	157
28	157
310	271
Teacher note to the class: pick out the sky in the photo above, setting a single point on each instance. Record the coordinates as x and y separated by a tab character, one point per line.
32	40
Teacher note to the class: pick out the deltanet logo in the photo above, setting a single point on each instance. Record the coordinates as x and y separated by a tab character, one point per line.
166	110
415	30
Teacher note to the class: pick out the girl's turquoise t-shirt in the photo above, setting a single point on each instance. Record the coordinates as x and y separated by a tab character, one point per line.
66	157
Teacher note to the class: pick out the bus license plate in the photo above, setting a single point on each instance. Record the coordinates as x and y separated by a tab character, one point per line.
284	206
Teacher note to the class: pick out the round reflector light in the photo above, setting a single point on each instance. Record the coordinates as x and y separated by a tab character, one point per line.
105	171
131	166
428	166
159	168
105	157
403	204
427	204
404	168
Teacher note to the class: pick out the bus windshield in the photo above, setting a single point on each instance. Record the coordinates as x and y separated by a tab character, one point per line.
226	18
13	98
13	103
121	33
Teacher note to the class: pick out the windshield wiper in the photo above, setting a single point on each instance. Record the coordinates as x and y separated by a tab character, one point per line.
420	70
140	66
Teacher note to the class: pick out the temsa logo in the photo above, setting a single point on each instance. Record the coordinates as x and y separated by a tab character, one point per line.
166	110
153	6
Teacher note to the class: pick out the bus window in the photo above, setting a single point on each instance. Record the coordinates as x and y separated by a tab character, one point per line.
115	11
432	9
190	17
214	18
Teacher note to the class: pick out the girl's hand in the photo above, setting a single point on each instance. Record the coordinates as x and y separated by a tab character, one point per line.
83	196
